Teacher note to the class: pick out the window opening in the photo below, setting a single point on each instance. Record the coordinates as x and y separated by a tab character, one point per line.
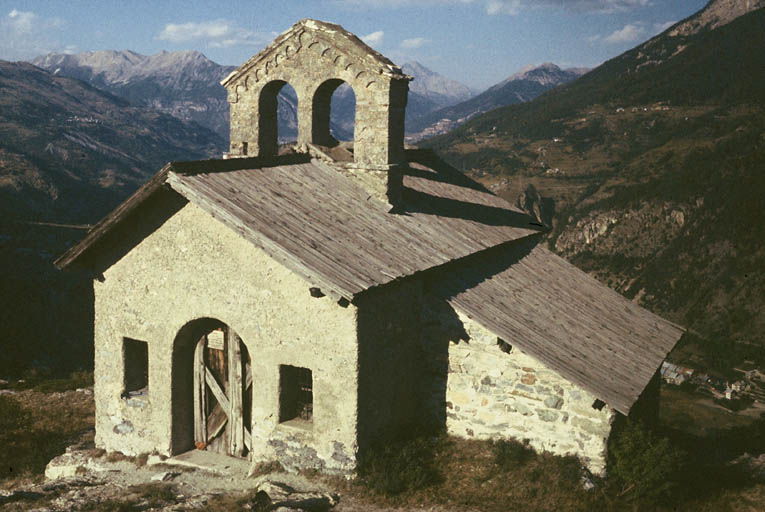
333	115
504	346
135	357
287	107
278	117
598	405
244	148
295	393
342	117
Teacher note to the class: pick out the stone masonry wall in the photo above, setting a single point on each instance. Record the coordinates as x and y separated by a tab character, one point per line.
193	267
492	394
309	60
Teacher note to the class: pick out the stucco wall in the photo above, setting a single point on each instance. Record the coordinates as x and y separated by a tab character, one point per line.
488	393
193	267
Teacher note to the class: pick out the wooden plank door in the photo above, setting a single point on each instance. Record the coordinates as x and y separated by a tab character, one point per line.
222	394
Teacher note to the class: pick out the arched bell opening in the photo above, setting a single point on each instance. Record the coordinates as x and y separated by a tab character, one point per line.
277	108
333	113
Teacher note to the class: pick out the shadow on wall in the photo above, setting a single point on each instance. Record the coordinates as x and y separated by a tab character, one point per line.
403	363
405	331
136	226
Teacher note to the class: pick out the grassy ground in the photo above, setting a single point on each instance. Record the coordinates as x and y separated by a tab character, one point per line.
38	423
441	473
478	475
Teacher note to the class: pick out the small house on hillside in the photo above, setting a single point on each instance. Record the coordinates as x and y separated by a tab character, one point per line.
306	306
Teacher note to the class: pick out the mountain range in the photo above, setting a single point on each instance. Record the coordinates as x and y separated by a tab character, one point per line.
183	84
650	171
186	84
62	140
520	87
69	153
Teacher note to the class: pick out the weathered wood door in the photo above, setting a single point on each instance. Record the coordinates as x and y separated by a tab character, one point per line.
222	393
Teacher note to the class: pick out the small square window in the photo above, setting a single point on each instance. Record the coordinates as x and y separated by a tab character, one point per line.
295	393
135	358
504	346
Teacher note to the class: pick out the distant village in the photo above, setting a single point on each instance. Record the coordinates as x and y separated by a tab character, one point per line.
83	119
439	128
748	387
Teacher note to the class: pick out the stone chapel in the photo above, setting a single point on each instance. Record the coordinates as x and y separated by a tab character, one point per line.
304	304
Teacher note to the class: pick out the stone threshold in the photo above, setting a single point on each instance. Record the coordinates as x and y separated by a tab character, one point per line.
205	461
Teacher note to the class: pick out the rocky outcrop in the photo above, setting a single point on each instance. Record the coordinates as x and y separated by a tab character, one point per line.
94	480
623	231
716	14
531	202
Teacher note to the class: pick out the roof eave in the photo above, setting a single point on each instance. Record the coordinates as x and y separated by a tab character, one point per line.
112	219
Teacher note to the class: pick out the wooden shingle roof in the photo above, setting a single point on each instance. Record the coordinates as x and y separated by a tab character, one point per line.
322	225
482	251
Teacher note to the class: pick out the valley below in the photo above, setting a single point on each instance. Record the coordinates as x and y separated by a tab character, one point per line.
649	174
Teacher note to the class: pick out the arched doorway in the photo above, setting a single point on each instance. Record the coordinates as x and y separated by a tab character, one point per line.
334	113
277	111
212	390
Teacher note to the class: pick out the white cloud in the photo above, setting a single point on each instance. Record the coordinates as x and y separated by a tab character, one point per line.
374	38
217	34
22	21
25	34
604	6
630	33
382	4
180	32
509	7
661	27
414	42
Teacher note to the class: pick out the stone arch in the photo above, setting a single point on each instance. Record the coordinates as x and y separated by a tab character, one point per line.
182	381
268	118
321	111
315	57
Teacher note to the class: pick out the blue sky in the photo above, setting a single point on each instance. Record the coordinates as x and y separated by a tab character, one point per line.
478	42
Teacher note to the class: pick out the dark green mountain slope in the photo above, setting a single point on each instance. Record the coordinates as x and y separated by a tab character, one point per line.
62	140
655	165
69	153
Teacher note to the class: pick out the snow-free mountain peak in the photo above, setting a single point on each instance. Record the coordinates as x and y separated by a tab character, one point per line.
435	86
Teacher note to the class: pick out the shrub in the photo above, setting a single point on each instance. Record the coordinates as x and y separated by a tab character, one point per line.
35	427
399	467
74	381
509	453
645	465
13	419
